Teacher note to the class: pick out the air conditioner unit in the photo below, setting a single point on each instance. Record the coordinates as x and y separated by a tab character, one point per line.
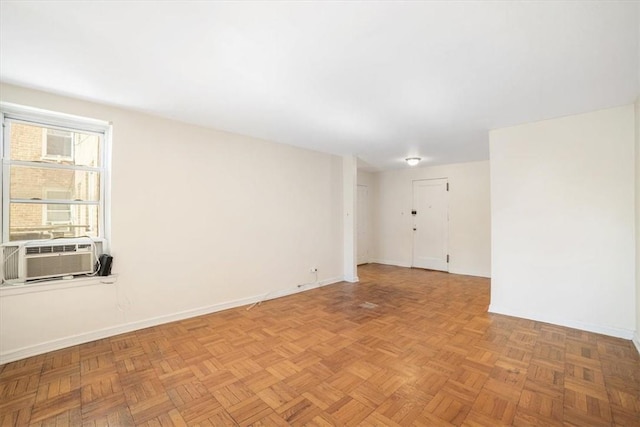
24	261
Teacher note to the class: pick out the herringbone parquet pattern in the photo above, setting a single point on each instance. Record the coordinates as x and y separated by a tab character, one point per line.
424	352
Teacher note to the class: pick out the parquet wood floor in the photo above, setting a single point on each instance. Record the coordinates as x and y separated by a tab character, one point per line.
425	352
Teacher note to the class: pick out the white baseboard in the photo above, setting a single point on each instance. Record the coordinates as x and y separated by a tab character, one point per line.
636	341
408	265
61	343
391	262
575	324
470	273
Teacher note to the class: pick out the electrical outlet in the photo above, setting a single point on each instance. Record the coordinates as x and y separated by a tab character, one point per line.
313	269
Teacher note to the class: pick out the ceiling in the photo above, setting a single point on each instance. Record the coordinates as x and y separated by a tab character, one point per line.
380	80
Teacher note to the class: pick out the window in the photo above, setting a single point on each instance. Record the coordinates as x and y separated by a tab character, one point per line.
54	175
58	144
59	216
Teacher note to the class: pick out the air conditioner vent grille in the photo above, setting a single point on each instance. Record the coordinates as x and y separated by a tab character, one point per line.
59	265
51	249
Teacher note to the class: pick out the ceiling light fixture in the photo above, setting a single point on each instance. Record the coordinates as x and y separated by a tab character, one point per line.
412	161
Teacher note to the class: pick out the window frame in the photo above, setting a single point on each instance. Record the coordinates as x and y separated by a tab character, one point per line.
10	113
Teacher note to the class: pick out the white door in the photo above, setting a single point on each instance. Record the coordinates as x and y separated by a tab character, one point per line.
362	224
430	224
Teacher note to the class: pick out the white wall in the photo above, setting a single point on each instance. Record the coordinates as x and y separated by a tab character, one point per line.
369	180
469	216
636	338
201	219
562	206
366	178
349	194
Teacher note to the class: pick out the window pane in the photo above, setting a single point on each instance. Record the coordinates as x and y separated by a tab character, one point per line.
59	217
58	194
59	143
41	144
54	184
66	208
58	214
42	221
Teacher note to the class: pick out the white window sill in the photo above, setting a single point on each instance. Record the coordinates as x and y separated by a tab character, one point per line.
55	284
